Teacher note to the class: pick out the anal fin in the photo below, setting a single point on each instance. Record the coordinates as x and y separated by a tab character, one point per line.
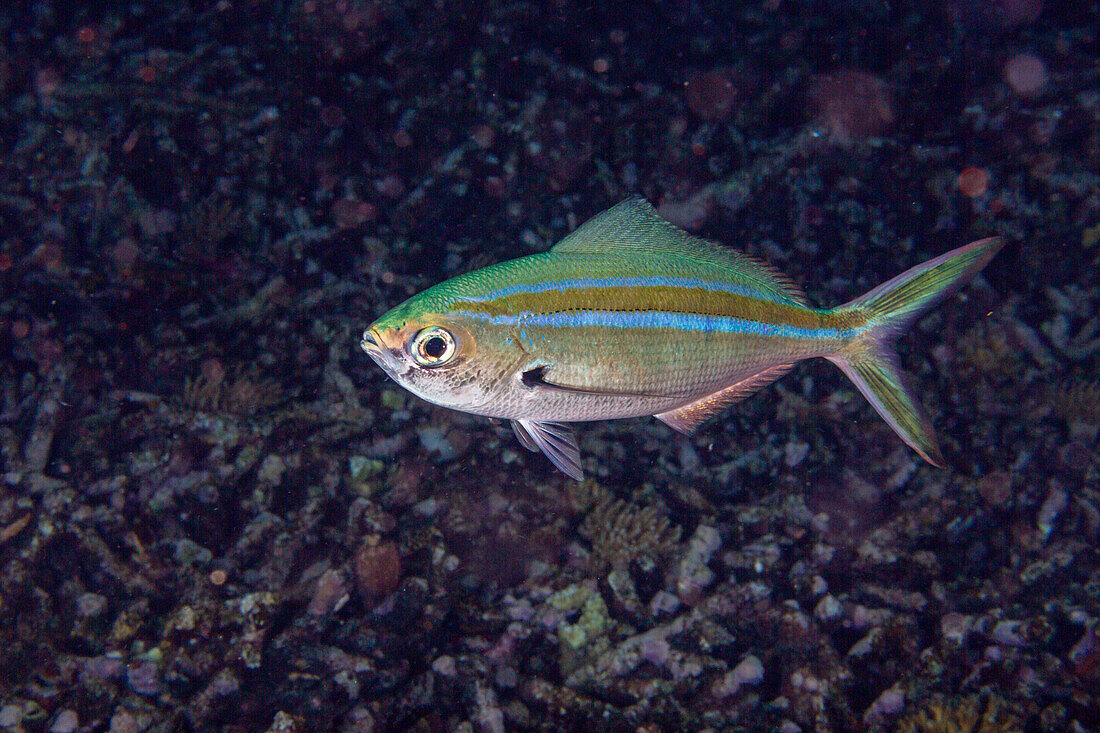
689	417
555	440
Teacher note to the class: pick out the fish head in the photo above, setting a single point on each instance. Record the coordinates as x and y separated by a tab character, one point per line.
441	356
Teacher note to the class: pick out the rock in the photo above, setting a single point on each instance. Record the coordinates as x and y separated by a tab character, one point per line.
445	666
889	703
330	595
749	671
1008	633
828	608
65	722
377	567
90	605
10	716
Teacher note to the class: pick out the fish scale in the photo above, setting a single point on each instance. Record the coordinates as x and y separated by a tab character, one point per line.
638	334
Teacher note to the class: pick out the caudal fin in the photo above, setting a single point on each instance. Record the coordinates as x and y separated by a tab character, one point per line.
869	360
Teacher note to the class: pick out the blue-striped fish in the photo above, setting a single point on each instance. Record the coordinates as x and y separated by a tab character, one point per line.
630	316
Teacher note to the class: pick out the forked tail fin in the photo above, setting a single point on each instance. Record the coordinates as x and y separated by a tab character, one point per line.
869	360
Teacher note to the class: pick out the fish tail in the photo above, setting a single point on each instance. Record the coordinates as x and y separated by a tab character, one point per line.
869	359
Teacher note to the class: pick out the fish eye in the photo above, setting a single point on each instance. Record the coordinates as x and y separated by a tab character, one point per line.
433	347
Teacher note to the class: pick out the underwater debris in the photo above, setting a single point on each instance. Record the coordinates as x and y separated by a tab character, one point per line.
693	575
968	715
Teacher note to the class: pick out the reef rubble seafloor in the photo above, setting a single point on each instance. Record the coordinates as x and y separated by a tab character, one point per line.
217	515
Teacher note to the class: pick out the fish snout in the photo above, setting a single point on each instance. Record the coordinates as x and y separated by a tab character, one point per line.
371	341
375	347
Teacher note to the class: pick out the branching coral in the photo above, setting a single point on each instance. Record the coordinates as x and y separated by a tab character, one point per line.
207	223
245	394
1077	400
968	715
622	532
987	348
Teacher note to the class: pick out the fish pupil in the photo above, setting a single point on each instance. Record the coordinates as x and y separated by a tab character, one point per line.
434	347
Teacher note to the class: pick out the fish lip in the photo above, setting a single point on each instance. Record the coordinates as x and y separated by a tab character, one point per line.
372	344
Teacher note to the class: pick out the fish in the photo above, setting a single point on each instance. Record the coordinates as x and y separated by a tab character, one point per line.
631	316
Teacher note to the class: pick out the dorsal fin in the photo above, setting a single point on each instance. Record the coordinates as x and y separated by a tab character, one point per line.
635	226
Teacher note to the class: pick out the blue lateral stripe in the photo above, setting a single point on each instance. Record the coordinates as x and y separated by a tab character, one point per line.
654	281
660	319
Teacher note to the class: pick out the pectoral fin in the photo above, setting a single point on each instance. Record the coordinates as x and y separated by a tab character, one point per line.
537	377
689	417
556	440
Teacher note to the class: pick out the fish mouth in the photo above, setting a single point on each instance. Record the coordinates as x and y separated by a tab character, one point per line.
374	347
